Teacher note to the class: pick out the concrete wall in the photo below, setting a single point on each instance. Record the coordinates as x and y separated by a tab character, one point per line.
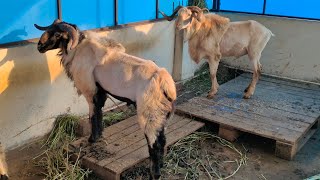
293	52
34	89
189	67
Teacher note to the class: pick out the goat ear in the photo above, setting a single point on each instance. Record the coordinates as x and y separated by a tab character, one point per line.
69	46
57	34
197	16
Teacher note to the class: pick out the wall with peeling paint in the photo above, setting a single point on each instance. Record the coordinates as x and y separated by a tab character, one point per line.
34	88
293	52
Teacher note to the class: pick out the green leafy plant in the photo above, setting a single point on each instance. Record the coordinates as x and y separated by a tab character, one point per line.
199	3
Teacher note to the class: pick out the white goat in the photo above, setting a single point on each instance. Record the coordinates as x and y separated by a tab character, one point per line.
99	66
211	36
3	165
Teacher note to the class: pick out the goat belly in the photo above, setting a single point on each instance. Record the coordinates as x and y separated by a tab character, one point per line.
123	99
114	84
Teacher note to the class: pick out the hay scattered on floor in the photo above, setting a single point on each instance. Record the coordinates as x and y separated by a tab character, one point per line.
55	160
63	130
201	155
189	159
58	166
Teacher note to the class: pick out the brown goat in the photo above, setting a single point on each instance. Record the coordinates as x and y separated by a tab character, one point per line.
99	66
211	37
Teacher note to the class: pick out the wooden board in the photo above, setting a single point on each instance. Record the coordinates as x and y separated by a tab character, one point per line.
285	111
123	145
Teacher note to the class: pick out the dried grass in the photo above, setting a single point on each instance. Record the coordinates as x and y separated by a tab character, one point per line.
189	159
186	159
55	160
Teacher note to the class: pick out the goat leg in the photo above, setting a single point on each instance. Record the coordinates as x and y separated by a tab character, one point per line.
213	66
96	119
254	58
3	177
156	152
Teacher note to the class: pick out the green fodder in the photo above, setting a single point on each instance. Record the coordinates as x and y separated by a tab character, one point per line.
56	160
199	3
63	130
113	117
58	166
188	159
201	82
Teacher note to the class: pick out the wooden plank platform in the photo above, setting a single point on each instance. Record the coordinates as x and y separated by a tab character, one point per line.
282	110
123	145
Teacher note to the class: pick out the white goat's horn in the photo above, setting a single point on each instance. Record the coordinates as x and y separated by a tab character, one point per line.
171	17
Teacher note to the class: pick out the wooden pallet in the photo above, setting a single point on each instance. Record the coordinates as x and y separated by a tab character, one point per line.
123	145
285	111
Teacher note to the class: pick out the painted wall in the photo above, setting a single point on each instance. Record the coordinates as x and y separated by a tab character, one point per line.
293	52
34	89
189	67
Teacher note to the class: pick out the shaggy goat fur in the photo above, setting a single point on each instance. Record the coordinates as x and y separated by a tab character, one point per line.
99	66
3	165
211	37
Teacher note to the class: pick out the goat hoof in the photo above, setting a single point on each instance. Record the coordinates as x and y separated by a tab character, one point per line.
4	177
246	90
156	176
246	96
93	139
100	132
210	96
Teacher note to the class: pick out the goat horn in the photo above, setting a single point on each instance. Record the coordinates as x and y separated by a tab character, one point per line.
72	32
171	17
205	9
43	28
196	9
56	21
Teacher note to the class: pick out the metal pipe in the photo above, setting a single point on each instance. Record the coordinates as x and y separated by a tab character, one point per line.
115	12
264	7
214	5
59	9
172	6
157	9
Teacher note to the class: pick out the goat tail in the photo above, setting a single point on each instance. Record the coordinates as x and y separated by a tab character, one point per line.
166	84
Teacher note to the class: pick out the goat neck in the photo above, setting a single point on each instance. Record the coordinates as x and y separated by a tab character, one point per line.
67	56
192	30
